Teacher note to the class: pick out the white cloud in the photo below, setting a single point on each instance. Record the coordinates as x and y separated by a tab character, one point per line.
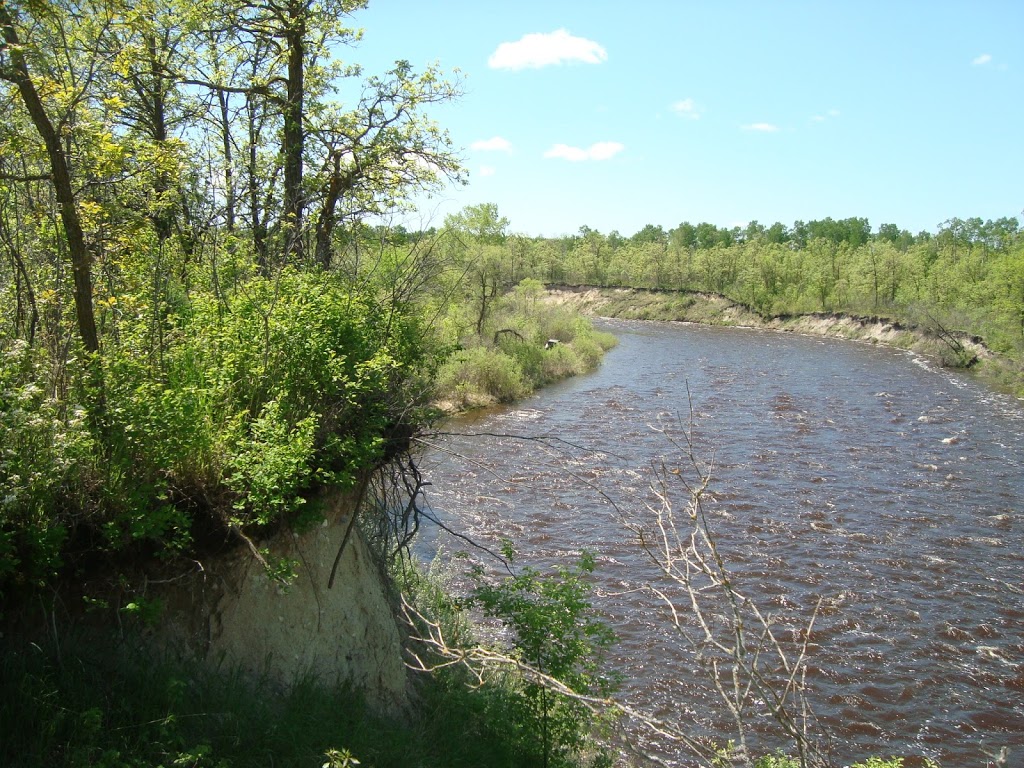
575	154
541	50
421	162
605	150
687	108
985	58
832	113
761	127
486	170
602	150
495	144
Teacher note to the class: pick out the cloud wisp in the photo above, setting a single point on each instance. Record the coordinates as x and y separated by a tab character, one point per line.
761	127
687	108
830	115
602	150
982	60
494	144
538	50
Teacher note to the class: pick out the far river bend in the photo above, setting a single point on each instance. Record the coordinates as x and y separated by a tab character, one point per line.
890	489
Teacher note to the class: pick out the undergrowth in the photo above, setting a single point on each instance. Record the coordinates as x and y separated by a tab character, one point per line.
103	703
527	345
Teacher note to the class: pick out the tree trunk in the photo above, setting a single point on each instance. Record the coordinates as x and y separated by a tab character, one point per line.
21	277
293	133
339	184
257	223
229	180
81	262
163	216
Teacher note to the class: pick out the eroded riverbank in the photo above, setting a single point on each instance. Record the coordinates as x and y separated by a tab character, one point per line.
949	348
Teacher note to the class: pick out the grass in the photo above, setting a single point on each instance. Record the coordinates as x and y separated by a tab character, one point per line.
103	702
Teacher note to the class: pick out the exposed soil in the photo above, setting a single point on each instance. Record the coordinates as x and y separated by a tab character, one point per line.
233	613
949	348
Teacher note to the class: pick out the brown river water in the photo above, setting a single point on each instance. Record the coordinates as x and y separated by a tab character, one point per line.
860	476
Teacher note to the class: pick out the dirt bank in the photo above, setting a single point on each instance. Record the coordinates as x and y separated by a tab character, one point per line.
948	348
232	613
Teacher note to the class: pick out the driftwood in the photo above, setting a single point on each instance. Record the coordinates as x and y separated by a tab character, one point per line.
509	331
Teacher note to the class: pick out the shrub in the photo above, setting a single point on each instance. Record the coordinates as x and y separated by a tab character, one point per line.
45	458
588	352
248	402
480	374
560	362
557	633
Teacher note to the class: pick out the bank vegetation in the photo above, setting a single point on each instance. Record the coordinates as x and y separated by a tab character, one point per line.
208	325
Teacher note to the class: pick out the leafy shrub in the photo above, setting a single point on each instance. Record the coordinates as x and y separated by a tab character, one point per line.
556	632
562	324
480	374
531	357
588	352
249	402
560	362
271	466
45	456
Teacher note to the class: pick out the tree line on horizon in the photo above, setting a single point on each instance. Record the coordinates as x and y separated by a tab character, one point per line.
968	275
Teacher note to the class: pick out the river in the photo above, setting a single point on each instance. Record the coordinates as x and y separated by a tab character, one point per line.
859	476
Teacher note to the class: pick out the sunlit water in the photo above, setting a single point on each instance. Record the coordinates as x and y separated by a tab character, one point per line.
888	489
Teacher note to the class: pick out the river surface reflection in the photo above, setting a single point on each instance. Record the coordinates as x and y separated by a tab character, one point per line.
858	475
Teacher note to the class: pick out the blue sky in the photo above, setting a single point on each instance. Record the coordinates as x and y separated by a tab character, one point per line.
617	115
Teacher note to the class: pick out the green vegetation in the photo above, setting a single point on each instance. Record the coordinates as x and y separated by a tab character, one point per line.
185	351
533	344
102	702
200	331
204	323
968	277
556	634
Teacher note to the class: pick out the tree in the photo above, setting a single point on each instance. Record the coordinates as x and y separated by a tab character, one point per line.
593	251
334	164
651	233
299	33
1008	277
15	56
557	634
481	231
480	222
758	673
753	231
777	233
372	156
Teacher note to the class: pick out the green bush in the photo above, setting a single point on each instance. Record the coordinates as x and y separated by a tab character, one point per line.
588	352
530	357
482	374
560	362
249	401
46	456
102	702
556	632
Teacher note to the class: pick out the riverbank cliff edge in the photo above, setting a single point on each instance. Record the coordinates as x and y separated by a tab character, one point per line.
948	347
